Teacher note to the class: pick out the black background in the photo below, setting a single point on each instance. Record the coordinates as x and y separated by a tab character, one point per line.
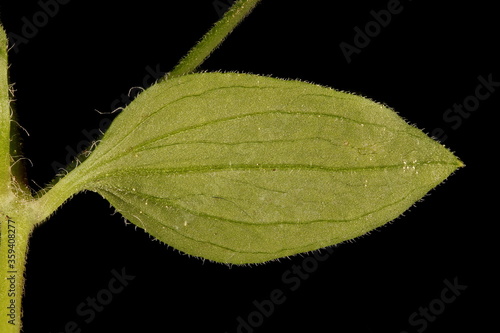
428	58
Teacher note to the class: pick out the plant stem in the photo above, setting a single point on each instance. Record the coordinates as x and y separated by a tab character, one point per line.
14	239
49	200
15	230
214	37
4	120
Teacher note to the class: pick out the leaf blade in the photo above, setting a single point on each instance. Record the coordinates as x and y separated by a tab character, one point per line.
240	168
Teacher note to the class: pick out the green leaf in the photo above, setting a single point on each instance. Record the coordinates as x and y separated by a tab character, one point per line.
239	168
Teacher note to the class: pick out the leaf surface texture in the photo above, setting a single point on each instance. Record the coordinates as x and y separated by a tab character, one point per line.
240	168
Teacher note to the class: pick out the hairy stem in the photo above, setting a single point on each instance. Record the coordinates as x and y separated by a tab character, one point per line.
214	37
4	120
14	238
19	214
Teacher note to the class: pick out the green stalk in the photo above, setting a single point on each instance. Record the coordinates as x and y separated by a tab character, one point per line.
16	214
4	120
214	37
19	212
14	239
62	188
